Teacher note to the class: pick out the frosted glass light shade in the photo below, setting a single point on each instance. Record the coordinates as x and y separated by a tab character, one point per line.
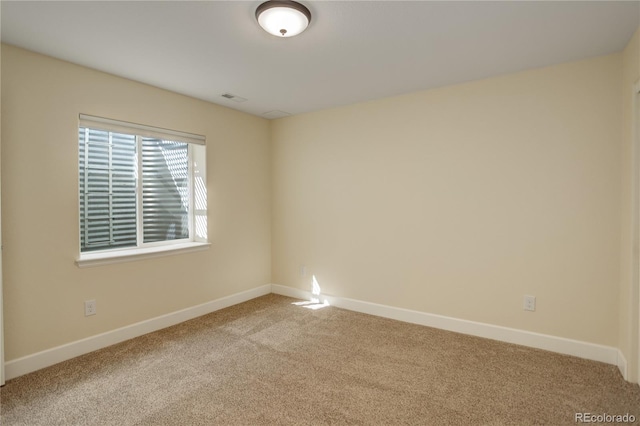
283	18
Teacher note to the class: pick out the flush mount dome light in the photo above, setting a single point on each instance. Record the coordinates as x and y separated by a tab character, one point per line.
283	18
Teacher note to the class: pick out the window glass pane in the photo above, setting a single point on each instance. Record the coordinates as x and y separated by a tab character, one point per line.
199	188
107	166
165	190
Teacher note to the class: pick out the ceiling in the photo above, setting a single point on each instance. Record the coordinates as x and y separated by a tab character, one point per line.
353	51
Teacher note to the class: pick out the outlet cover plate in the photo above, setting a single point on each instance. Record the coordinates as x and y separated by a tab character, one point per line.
89	307
529	303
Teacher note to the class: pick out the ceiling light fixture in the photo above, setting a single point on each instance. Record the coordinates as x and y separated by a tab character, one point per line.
283	18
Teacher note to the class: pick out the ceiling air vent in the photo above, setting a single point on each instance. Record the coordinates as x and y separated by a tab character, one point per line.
234	97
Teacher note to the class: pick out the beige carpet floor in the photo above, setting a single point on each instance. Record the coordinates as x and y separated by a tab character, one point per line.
269	361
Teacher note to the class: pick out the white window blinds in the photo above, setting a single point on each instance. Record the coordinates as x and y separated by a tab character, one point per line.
165	190
139	129
139	185
107	189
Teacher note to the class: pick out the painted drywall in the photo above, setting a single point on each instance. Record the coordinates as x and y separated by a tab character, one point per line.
43	288
461	200
628	279
2	372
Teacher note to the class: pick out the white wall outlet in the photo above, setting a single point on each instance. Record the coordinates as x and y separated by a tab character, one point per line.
89	307
529	303
303	271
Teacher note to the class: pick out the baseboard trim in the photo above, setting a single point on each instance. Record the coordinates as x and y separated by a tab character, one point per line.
621	362
46	358
592	351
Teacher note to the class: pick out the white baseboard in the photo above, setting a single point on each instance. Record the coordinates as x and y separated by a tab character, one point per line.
621	362
46	358
592	351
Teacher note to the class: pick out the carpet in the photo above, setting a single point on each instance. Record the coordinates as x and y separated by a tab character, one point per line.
270	361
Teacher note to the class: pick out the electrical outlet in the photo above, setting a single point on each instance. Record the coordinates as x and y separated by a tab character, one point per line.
303	271
529	303
89	307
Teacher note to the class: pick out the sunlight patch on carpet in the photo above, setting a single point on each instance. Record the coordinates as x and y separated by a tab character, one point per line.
315	302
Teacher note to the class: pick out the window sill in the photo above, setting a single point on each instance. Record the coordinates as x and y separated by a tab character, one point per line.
131	255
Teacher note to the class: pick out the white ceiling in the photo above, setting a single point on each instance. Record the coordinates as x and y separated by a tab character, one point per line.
353	51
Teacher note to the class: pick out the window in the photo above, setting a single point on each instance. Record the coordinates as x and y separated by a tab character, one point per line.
140	187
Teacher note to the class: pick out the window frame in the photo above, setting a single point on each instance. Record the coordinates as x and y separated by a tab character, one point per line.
144	250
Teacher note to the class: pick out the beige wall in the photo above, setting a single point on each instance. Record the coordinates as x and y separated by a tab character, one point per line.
2	379
44	290
460	200
628	330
